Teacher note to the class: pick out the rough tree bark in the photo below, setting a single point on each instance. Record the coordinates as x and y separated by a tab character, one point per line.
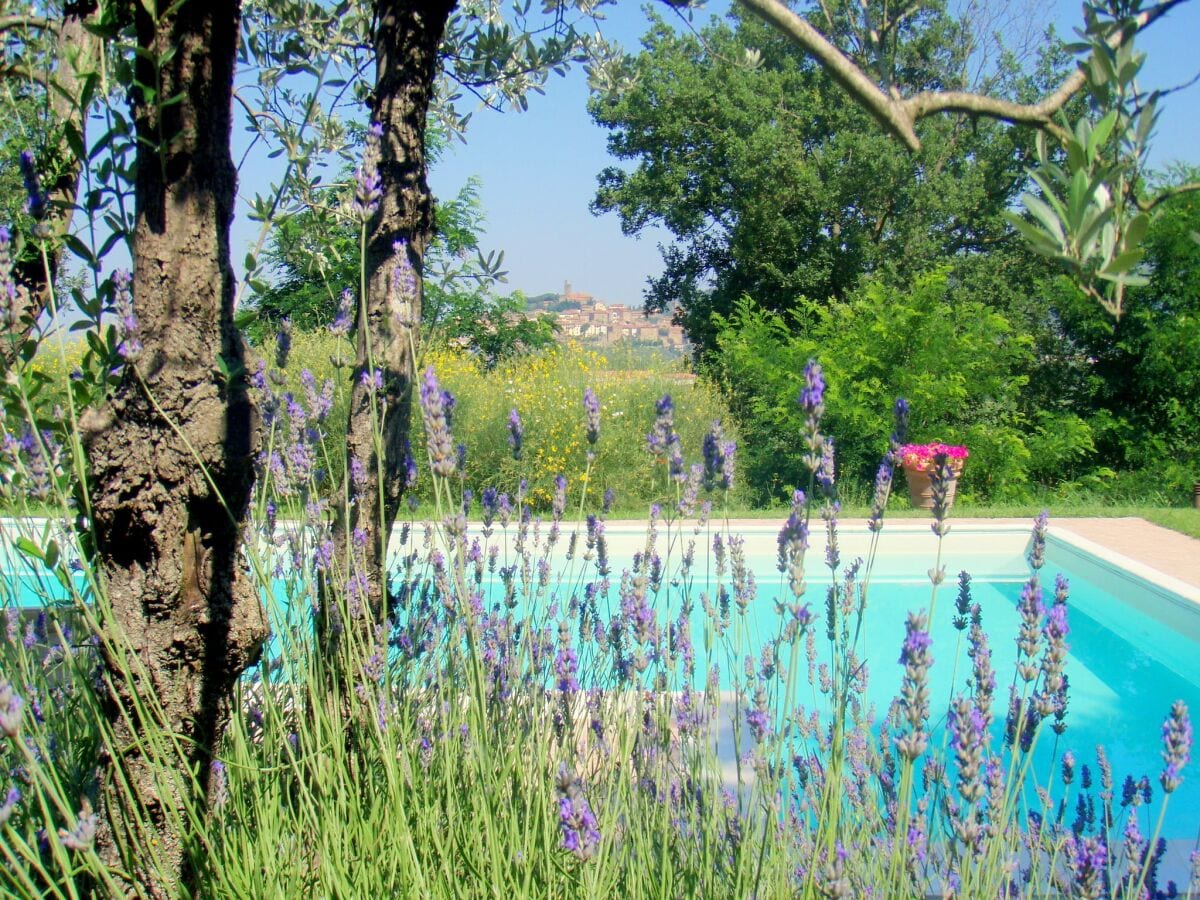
407	38
172	455
77	55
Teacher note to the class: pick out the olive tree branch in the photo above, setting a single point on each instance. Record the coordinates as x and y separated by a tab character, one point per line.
899	115
1150	203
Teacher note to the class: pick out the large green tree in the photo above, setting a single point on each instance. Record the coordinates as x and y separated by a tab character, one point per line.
774	187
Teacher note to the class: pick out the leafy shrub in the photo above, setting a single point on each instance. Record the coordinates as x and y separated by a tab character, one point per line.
958	362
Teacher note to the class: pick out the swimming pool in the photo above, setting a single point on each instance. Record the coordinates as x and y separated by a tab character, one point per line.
1134	640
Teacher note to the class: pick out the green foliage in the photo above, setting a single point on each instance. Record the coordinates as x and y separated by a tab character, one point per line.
492	328
956	360
776	187
1087	215
1142	387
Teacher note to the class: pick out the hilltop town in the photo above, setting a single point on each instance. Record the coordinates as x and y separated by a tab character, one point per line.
582	317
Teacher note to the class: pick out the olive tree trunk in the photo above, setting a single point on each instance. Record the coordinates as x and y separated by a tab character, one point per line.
407	38
172	455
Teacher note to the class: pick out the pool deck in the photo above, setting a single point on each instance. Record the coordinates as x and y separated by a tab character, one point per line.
1162	549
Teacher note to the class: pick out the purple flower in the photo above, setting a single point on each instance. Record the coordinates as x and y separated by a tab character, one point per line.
516	433
9	291
591	409
663	441
718	458
793	542
812	395
127	323
1177	745
410	469
825	470
358	473
968	734
962	603
83	834
691	490
404	282
1037	549
344	316
437	426
883	488
10	710
581	832
566	670
914	689
219	786
283	343
489	503
368	186
36	203
372	380
1088	860
1029	636
323	557
559	500
10	804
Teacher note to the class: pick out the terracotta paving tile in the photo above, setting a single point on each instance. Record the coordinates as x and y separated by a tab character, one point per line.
1160	548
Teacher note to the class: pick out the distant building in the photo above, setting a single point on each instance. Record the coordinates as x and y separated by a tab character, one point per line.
582	317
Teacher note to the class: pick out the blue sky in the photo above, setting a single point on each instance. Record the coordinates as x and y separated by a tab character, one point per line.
538	168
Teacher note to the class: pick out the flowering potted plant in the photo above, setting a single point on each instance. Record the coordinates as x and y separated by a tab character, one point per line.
919	462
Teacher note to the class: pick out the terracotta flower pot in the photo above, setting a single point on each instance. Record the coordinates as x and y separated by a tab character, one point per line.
920	488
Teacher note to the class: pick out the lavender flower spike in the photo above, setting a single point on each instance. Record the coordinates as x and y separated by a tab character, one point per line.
10	710
1177	746
581	832
344	317
914	690
368	186
516	433
1037	549
443	459
131	341
82	836
35	199
10	804
812	395
591	409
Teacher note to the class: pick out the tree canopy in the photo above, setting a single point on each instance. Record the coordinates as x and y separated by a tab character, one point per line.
775	187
